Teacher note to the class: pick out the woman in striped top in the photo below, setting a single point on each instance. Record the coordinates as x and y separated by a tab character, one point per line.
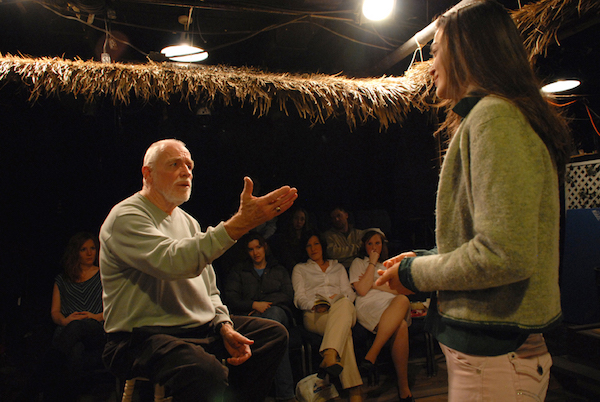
77	291
77	311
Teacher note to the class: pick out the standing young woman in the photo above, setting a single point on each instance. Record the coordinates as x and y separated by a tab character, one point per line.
381	309
317	279
495	271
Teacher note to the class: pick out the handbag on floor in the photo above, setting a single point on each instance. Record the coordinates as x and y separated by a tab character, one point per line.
313	389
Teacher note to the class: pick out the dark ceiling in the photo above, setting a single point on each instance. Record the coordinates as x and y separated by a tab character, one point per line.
327	36
299	36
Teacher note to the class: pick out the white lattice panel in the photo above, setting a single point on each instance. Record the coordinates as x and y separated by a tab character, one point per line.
582	186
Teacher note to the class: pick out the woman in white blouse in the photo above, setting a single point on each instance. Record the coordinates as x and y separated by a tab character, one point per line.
323	292
381	310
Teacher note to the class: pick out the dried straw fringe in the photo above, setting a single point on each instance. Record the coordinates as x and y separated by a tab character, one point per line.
316	97
540	22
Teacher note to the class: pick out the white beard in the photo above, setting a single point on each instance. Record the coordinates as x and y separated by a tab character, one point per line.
173	197
174	194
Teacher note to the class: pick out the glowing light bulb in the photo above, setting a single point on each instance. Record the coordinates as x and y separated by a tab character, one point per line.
184	53
377	10
560	86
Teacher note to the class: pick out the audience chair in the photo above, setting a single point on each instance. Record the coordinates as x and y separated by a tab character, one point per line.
416	330
296	343
312	343
430	350
298	340
308	343
159	391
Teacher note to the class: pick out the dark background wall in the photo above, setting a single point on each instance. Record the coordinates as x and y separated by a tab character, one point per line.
64	164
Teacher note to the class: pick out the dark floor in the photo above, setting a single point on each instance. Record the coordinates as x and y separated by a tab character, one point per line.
575	375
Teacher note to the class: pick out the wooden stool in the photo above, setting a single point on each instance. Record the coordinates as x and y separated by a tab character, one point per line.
159	391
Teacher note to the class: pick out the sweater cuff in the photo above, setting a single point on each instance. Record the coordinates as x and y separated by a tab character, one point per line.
420	253
217	327
222	235
405	274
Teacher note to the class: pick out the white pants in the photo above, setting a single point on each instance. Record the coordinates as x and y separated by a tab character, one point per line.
504	378
336	327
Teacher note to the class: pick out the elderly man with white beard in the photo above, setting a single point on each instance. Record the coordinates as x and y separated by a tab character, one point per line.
164	316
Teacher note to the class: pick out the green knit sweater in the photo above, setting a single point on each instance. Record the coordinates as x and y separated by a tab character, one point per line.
497	226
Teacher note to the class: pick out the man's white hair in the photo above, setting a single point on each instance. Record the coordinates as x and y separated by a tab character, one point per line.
156	149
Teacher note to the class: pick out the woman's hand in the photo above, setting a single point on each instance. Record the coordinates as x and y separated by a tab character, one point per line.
78	315
373	257
365	280
384	288
390	275
262	306
396	260
320	308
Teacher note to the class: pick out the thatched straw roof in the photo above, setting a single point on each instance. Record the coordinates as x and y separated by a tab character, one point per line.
540	22
316	97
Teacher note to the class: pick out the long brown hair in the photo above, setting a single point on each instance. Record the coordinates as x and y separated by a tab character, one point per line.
70	260
485	50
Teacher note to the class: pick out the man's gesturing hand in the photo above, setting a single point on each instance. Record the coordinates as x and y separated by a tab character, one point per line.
254	211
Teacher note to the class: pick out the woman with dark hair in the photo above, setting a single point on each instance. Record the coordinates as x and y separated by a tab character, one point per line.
495	270
77	293
322	291
77	311
286	242
261	287
381	309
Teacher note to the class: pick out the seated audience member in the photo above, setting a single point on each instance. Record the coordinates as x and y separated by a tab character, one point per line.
381	310
343	241
164	316
261	287
322	291
79	337
286	243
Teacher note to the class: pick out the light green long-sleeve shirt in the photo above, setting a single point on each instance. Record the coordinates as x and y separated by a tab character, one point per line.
156	270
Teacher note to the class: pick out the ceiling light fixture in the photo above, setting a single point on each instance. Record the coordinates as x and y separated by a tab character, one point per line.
560	86
185	52
377	10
